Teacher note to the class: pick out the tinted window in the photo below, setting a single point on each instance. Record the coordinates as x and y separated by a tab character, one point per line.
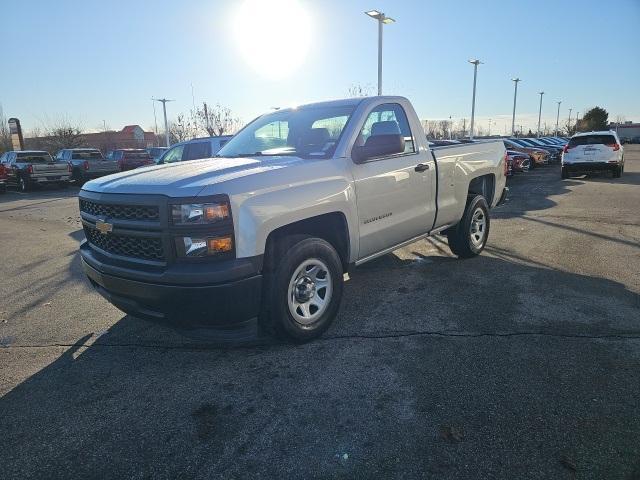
87	155
194	151
137	155
34	157
592	140
386	119
173	154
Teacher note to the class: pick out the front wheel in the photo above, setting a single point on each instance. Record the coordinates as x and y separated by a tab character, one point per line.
304	289
469	237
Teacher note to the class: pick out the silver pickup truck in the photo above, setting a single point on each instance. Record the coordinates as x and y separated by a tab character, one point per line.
27	168
87	163
266	229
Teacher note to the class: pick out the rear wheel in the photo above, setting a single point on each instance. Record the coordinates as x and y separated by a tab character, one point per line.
617	172
564	173
469	237
23	185
303	288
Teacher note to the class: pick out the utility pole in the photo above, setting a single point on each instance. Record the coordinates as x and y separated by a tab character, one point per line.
166	123
558	117
489	128
540	113
382	20
569	123
577	115
450	127
515	95
475	64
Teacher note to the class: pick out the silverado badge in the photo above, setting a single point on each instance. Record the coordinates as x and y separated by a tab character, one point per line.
104	227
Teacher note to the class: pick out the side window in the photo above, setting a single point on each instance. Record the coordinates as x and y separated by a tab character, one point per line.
197	150
386	119
174	154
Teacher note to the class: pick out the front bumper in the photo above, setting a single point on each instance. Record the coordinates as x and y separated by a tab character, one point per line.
590	166
226	296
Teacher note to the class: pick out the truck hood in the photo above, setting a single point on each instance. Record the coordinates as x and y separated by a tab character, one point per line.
187	179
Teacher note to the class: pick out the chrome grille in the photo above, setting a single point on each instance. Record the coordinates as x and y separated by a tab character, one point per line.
149	213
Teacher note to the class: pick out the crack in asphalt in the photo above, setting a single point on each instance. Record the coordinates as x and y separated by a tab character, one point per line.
265	342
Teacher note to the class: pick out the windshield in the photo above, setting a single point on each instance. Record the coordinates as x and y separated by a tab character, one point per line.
87	155
308	132
34	157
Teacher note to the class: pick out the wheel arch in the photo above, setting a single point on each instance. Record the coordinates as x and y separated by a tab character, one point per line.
331	227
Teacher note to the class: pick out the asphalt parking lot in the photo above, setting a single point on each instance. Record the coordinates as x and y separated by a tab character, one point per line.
521	363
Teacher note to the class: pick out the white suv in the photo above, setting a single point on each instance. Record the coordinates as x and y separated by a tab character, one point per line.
591	152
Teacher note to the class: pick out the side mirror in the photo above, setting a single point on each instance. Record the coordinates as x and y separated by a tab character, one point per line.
378	146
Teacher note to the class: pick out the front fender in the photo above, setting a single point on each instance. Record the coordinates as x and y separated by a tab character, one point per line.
257	214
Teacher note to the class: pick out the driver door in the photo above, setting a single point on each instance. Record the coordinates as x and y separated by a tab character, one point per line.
394	194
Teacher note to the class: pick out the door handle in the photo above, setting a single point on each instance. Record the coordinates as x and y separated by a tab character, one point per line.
421	167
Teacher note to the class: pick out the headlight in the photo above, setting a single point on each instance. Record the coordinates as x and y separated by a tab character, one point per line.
199	213
201	246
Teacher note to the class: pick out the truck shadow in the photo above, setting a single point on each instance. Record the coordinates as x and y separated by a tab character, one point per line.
465	341
530	192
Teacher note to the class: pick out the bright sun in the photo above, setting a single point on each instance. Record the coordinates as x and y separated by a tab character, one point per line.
273	35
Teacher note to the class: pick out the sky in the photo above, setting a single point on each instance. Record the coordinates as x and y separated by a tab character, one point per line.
97	63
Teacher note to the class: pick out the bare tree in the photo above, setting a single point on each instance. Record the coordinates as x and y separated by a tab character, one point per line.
216	120
63	134
5	136
359	90
183	128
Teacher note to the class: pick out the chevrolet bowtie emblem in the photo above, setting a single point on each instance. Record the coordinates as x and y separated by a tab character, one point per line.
104	227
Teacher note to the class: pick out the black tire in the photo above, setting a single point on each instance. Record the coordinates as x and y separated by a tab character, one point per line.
3	188
460	236
77	177
290	255
616	172
23	185
564	173
63	185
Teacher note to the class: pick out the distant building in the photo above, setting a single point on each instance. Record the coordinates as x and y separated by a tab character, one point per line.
131	136
626	130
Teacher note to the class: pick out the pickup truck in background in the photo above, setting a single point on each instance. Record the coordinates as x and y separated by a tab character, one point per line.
130	158
87	163
26	168
263	233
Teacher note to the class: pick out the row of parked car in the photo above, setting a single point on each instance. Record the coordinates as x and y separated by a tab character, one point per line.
524	154
27	168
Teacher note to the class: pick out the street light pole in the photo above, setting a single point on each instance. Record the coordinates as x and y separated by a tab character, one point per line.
515	95
540	113
166	124
558	117
475	64
382	20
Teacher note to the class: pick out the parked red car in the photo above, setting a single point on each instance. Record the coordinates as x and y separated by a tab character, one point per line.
518	161
3	178
130	158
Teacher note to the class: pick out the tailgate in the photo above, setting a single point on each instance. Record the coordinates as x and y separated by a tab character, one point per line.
57	168
103	166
